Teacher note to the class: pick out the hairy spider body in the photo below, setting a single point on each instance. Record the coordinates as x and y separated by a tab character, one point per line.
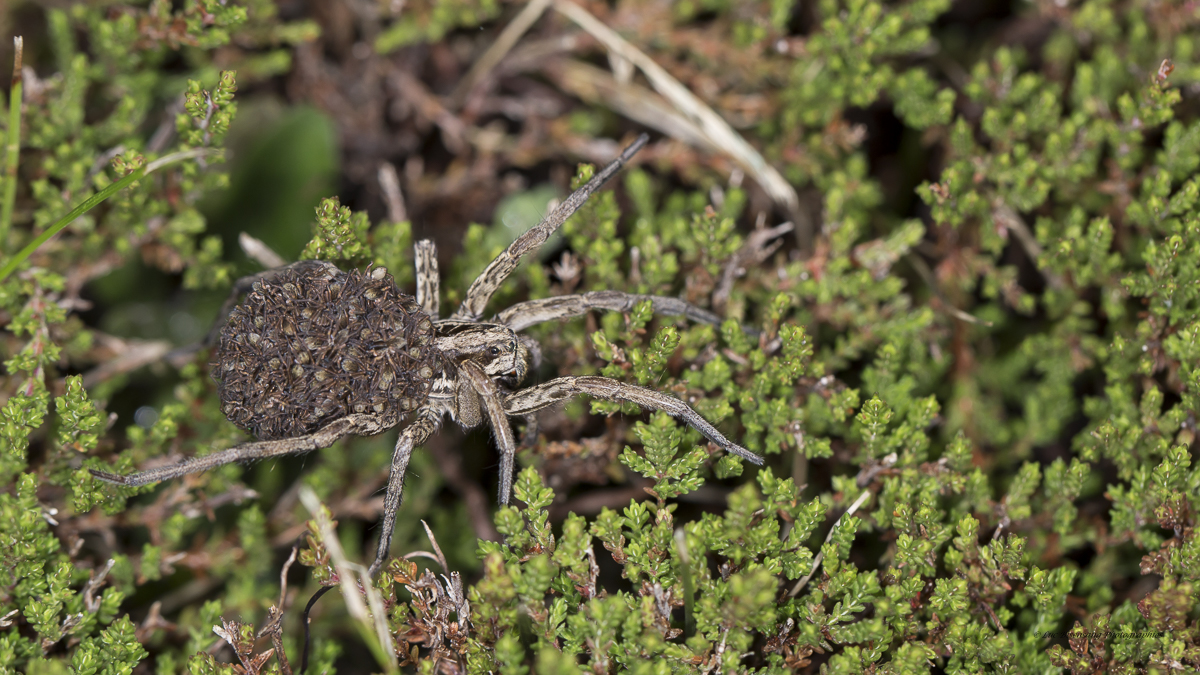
313	344
315	354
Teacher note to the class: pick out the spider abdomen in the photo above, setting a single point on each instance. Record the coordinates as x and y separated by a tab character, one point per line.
312	344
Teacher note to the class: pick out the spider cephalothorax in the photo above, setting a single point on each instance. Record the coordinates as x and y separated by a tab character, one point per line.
315	354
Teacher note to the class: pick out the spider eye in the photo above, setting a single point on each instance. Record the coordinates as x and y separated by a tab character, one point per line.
494	351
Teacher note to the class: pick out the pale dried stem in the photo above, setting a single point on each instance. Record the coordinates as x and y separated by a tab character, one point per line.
497	51
926	274
1013	222
711	124
441	558
259	252
389	182
862	499
351	577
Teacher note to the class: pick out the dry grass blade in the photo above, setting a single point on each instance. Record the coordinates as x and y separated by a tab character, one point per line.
862	499
498	49
389	182
372	625
259	252
597	86
716	129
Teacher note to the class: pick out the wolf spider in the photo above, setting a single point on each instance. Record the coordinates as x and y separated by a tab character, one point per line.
461	366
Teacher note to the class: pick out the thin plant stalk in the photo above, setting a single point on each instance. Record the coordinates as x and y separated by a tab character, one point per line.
94	201
689	586
14	141
372	625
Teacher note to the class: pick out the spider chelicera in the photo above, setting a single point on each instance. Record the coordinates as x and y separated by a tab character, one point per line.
315	354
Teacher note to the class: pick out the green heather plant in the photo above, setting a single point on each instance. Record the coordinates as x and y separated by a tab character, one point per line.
972	366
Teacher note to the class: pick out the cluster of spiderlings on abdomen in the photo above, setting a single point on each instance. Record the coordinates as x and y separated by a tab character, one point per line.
313	344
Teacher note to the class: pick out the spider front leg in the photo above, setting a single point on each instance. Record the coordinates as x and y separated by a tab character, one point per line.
526	401
493	404
497	271
525	314
427	422
360	425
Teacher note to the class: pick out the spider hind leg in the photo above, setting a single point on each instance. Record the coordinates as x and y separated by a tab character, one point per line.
359	425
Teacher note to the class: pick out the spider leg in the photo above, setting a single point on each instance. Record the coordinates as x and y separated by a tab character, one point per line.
493	404
485	285
525	314
428	279
361	425
546	394
427	422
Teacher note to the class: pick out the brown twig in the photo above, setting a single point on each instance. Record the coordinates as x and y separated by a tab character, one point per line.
758	247
1013	222
12	150
153	621
595	501
230	631
274	624
441	557
129	355
358	504
919	264
454	130
85	271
